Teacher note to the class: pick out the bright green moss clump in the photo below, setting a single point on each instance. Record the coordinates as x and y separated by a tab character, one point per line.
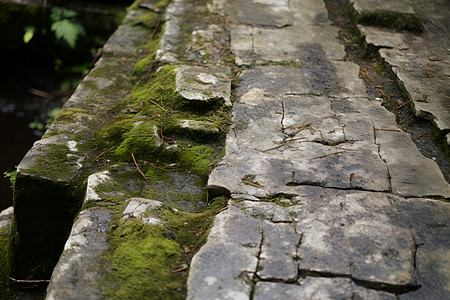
197	159
150	261
141	262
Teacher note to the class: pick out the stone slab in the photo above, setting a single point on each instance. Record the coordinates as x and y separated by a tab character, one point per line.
278	251
232	247
6	216
75	276
317	288
411	70
122	42
204	83
271	13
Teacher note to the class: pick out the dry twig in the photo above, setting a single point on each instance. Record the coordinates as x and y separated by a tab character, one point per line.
252	184
143	175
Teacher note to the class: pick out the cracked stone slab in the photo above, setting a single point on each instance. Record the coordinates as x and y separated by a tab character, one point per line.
279	248
398	14
429	222
411	70
276	13
232	247
317	288
73	277
411	173
141	209
264	45
357	235
204	83
382	37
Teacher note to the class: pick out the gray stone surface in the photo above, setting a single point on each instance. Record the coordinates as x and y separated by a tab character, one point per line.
277	101
143	210
325	189
236	239
420	62
400	7
122	42
76	276
204	83
305	138
317	288
6	216
279	248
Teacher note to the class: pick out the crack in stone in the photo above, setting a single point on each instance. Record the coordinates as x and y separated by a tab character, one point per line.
255	276
318	184
373	285
379	154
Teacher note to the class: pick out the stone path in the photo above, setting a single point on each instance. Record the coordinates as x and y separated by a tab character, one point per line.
329	197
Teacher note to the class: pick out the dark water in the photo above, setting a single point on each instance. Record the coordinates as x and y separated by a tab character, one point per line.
19	107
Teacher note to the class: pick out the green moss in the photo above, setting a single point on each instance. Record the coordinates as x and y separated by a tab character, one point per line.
150	20
58	163
4	241
142	252
71	114
134	5
146	259
380	69
142	142
197	159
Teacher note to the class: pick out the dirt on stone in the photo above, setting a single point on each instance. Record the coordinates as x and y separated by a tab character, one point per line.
381	86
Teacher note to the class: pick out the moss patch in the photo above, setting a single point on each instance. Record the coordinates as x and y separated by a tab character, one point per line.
197	159
152	259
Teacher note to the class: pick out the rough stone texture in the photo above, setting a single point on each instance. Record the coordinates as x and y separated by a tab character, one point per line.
204	83
256	12
420	62
236	239
318	174
316	288
428	220
385	13
400	7
6	216
277	100
343	236
278	252
141	209
81	256
122	41
305	138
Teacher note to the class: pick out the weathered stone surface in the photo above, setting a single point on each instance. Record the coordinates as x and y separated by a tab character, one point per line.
317	288
256	12
6	216
397	14
204	127
204	83
123	40
420	62
76	276
94	180
279	248
345	237
400	7
382	37
232	247
141	209
429	223
412	70
411	173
